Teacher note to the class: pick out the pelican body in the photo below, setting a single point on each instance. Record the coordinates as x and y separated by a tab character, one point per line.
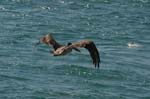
62	51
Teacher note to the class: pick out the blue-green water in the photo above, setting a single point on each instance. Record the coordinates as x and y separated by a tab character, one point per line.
119	28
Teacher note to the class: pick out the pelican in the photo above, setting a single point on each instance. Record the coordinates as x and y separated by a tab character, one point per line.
60	50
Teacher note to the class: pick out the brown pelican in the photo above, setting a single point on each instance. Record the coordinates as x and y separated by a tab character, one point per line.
65	49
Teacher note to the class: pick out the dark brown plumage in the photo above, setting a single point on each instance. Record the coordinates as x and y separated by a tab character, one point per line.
90	46
65	49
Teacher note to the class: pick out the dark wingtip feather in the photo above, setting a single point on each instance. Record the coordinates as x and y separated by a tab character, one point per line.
94	54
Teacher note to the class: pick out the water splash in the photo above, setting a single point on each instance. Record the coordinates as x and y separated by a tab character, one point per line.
133	45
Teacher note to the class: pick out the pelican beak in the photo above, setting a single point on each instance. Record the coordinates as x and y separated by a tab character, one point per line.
39	42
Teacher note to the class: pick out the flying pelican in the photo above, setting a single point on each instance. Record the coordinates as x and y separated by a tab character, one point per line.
65	49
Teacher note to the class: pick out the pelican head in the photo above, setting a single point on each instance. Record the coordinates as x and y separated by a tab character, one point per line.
47	39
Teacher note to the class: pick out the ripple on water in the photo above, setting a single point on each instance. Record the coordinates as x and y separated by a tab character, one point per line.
121	35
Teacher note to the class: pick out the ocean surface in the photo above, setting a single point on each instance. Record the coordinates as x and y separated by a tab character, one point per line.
119	28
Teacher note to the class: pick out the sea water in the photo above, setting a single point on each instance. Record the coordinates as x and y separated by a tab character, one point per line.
119	28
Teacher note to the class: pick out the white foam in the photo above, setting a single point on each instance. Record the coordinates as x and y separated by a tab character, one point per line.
133	45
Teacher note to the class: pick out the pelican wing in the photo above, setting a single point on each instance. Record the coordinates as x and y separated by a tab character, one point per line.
91	47
49	40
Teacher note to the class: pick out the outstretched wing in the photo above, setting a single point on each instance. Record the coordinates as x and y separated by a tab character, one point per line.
49	40
91	47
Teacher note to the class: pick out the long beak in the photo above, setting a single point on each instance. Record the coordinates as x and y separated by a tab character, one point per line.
39	42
